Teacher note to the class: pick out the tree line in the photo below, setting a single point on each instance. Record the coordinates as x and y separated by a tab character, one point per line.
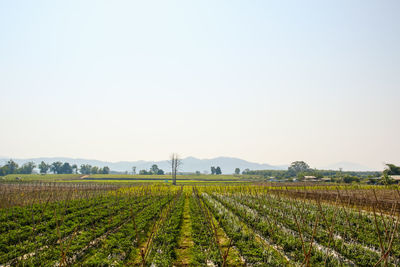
299	169
58	167
154	170
216	170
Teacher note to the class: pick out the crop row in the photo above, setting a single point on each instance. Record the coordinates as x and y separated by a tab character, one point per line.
206	248
80	233
349	233
122	246
162	248
243	237
311	233
66	232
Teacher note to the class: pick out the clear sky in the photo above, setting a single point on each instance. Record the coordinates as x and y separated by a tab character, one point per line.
266	81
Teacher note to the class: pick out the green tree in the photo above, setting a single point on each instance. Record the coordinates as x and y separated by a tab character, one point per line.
106	170
3	171
56	167
300	176
213	170
350	179
85	168
11	167
144	172
75	168
94	170
66	168
43	167
298	167
392	169
154	169
237	171
218	170
27	168
386	180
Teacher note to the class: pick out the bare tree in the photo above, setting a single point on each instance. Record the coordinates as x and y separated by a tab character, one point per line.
175	162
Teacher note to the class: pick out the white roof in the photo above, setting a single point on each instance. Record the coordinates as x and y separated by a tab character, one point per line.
395	177
309	177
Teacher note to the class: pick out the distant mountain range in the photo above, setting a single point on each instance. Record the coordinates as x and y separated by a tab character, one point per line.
190	164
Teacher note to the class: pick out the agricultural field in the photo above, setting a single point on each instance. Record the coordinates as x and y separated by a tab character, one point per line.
67	224
39	177
128	179
204	177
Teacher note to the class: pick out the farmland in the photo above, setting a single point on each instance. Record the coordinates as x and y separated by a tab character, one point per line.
91	224
128	179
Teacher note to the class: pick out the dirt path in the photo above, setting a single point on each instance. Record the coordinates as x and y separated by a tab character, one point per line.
185	243
234	258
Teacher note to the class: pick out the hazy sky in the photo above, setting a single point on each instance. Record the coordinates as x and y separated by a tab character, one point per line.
266	81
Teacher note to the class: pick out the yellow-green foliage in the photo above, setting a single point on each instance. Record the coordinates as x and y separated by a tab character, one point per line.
168	177
40	177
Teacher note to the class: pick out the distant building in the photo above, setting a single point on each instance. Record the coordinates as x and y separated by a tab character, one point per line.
395	177
310	178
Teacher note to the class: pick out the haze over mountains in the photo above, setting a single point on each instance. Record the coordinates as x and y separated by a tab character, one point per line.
190	164
348	166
